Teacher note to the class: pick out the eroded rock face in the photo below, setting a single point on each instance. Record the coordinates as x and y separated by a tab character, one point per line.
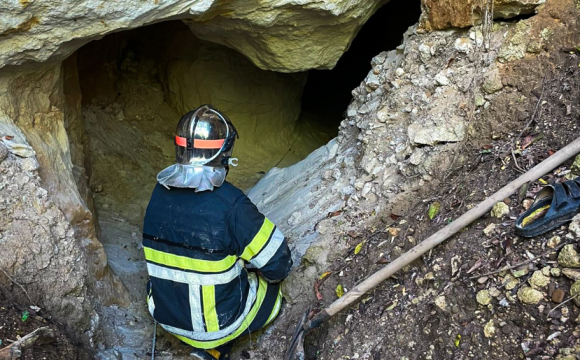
438	15
39	247
276	35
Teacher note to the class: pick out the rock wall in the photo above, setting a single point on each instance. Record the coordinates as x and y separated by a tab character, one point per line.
407	129
277	35
439	15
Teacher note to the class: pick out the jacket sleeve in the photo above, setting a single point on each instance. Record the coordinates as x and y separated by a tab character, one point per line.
260	242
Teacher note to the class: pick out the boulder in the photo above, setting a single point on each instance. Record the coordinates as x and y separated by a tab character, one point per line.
275	35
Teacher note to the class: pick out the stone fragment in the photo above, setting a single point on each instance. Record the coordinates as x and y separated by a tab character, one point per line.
489	229
575	290
527	295
494	292
441	302
555	272
20	149
3	151
539	280
30	164
510	282
442	79
574	227
520	272
546	270
558	296
569	257
430	133
492	82
571	273
576	166
489	329
463	45
483	297
500	209
553	242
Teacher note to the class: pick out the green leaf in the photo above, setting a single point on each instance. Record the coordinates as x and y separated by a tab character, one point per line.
339	290
358	248
457	340
25	315
434	209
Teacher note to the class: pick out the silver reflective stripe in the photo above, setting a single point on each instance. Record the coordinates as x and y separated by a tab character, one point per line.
151	305
209	336
266	254
195	278
194	304
276	309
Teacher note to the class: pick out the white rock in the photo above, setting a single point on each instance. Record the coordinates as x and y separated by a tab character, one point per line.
463	45
442	79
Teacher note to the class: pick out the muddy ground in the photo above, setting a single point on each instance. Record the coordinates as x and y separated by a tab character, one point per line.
429	310
18	319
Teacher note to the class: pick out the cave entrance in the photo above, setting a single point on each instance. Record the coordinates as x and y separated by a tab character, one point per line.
136	85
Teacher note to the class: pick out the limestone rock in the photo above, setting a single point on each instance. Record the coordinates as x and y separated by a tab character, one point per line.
441	302
464	45
555	272
574	227
489	329
275	35
483	297
489	229
500	209
510	282
429	133
571	274
492	82
539	280
576	166
3	151
527	295
553	242
569	257
575	290
459	13
18	148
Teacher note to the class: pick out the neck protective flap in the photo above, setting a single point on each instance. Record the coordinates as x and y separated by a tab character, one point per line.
198	177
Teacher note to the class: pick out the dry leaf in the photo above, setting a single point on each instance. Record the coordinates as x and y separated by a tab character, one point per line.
324	275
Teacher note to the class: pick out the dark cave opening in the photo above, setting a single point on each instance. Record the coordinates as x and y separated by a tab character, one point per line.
327	93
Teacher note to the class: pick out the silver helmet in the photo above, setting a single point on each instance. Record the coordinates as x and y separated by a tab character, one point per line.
205	136
204	142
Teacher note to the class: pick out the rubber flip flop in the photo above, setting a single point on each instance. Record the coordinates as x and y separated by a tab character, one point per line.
554	206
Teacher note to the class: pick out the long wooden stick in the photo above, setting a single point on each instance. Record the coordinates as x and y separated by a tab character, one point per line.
15	350
354	294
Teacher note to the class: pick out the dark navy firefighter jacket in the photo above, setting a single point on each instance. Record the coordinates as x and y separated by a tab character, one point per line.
196	246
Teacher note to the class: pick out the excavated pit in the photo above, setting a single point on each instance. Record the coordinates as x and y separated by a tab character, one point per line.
136	84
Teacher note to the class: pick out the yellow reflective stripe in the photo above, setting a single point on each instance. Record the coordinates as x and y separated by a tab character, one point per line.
262	286
259	240
277	307
209	310
187	263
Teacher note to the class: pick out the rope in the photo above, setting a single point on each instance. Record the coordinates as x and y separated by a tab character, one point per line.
154	339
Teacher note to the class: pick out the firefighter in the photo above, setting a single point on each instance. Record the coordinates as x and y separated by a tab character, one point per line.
199	234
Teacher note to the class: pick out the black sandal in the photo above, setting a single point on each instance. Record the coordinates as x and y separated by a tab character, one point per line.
554	206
